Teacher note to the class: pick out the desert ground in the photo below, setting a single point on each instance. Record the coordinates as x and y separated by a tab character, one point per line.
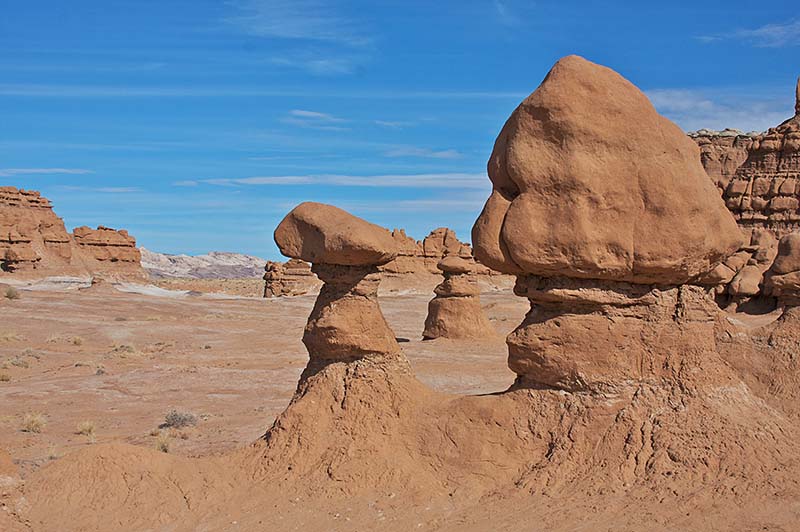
120	361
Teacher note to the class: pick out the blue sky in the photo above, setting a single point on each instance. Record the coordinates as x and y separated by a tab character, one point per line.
198	124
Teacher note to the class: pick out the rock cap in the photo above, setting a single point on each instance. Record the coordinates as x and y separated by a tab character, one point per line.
589	181
324	234
454	264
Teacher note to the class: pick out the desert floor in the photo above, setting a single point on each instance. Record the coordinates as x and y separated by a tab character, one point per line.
116	363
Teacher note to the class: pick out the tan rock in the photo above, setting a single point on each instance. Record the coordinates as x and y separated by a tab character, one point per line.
325	234
456	311
591	182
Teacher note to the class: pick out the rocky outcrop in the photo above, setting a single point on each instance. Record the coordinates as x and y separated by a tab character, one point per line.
346	323
758	174
456	311
34	241
30	231
422	256
783	279
291	278
604	227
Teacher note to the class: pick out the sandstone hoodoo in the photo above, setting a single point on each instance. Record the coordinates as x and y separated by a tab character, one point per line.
783	279
456	310
603	223
345	251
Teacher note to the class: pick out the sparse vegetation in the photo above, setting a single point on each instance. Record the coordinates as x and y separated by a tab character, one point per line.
177	419
11	293
162	442
8	336
86	428
76	340
18	362
5	377
34	422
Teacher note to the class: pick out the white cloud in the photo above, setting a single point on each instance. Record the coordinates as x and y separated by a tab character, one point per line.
394	124
8	172
718	109
317	65
314	120
315	20
767	36
414	151
439	180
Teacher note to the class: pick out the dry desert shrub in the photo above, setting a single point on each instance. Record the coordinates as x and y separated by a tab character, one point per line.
177	419
5	377
34	422
9	336
162	442
76	340
86	428
11	293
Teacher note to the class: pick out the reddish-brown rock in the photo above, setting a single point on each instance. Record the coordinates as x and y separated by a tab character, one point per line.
346	322
34	241
603	211
456	311
291	278
591	182
758	174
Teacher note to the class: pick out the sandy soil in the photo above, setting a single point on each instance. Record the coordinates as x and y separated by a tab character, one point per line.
121	361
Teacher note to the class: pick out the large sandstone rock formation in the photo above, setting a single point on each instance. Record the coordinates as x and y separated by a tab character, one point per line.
291	278
456	311
346	323
603	223
34	241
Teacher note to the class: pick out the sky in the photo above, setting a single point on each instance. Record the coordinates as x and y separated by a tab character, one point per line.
197	125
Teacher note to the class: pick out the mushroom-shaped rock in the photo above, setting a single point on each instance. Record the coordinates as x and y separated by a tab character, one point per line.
591	182
346	323
456	311
324	234
602	209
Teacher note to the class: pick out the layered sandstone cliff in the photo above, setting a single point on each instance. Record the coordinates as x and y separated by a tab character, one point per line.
758	174
35	242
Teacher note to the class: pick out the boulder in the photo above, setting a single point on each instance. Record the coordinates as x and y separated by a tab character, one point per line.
589	181
325	234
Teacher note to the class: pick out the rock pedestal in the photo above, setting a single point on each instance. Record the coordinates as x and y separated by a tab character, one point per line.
601	208
581	335
346	323
456	310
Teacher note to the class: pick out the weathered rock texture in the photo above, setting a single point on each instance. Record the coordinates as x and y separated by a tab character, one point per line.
783	279
212	265
415	263
456	310
346	323
758	174
292	278
34	241
603	224
589	179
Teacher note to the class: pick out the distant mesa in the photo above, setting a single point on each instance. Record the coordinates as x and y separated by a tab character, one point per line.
213	265
34	242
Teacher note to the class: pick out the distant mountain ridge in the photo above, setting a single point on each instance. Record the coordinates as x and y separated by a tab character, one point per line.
213	265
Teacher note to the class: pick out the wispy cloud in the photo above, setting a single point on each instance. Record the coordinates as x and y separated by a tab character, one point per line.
438	180
318	65
8	172
315	20
102	190
504	13
414	151
314	120
719	108
767	36
394	124
107	91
